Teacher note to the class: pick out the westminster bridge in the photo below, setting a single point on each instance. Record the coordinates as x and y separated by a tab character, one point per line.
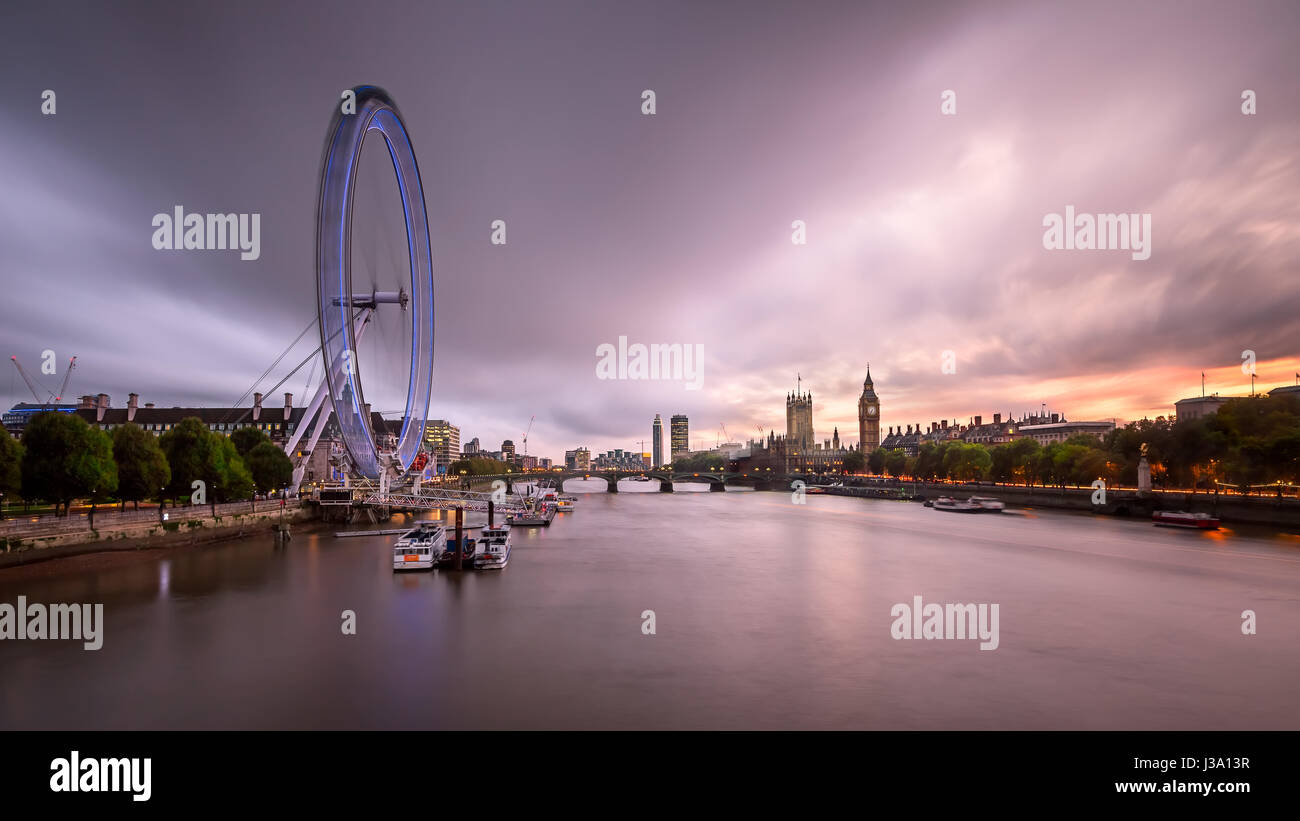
716	479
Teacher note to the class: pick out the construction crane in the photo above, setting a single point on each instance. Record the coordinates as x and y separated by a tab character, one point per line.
31	384
530	430
726	437
72	363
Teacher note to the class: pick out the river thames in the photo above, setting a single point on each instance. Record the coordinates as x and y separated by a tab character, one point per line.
767	615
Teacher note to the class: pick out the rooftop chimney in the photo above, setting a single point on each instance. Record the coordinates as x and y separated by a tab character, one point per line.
997	419
101	406
132	403
1056	417
945	424
87	402
979	420
257	406
148	404
288	406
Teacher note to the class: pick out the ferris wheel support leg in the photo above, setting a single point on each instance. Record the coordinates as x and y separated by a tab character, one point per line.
312	408
317	401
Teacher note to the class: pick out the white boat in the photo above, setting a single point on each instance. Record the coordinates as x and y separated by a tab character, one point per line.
419	547
988	504
564	504
493	548
955	506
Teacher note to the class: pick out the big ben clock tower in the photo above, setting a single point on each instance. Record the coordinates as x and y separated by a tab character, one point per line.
868	416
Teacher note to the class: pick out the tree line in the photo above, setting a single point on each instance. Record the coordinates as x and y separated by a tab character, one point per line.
478	466
62	459
1250	442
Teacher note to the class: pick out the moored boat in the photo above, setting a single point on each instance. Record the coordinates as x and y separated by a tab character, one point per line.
537	515
564	504
493	548
467	559
1181	518
420	547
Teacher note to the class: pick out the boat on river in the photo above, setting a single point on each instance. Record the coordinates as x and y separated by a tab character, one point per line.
448	557
420	547
536	514
1181	518
493	548
956	505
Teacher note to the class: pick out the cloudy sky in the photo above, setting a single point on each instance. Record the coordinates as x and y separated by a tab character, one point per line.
924	231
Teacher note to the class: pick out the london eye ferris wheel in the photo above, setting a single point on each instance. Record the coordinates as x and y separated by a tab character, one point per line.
375	311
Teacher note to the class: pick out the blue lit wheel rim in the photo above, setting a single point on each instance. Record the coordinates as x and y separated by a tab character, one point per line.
337	303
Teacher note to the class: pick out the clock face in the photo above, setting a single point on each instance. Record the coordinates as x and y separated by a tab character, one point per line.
871	410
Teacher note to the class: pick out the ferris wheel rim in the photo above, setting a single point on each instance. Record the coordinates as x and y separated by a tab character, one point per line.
374	110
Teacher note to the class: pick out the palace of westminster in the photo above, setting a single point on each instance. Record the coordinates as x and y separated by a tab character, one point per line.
798	449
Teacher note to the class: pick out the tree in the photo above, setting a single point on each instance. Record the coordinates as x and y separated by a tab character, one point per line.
1024	459
1001	467
198	454
854	462
65	459
188	448
1095	464
245	439
1060	463
876	461
968	461
142	469
896	462
477	467
269	467
1195	445
11	468
227	473
929	460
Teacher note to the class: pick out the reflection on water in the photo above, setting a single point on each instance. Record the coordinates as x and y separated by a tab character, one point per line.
768	615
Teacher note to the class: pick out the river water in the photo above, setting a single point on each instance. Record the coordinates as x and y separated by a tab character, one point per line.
767	614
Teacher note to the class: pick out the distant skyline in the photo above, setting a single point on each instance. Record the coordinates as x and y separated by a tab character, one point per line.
924	231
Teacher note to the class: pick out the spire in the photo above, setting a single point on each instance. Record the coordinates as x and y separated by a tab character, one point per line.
867	382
